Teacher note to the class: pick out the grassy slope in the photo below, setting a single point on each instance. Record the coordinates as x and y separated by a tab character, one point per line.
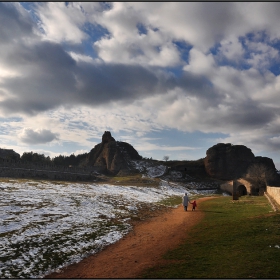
236	239
130	180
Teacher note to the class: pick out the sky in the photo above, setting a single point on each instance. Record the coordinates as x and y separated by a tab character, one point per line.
170	78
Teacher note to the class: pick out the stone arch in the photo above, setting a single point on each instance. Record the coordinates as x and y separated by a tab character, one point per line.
242	190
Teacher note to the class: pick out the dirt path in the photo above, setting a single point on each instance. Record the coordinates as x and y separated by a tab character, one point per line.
140	249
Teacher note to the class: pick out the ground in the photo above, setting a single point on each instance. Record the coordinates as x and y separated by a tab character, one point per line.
140	249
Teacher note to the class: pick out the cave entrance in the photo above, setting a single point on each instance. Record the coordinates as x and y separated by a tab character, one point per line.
242	190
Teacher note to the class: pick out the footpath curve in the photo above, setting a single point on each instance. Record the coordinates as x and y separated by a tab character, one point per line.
142	248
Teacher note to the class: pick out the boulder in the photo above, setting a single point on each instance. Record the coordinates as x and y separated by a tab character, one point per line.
227	161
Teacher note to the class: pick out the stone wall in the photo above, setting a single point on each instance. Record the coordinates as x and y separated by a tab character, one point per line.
249	187
274	192
227	186
230	186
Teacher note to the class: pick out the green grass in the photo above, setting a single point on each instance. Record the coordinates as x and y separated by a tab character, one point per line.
236	239
171	201
131	180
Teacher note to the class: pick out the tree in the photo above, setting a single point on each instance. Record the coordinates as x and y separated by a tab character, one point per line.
70	160
59	160
166	158
35	158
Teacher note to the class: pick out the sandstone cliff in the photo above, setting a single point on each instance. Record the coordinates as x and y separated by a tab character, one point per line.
111	156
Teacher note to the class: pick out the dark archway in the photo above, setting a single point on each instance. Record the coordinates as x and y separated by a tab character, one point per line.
242	190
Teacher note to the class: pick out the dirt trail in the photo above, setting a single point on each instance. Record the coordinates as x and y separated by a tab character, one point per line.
140	249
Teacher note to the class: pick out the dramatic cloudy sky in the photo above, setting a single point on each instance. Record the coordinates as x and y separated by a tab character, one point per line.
169	78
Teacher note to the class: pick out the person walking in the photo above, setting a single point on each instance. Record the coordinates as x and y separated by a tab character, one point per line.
185	201
193	205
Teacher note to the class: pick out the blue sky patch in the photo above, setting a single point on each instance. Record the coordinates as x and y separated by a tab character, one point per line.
141	29
184	49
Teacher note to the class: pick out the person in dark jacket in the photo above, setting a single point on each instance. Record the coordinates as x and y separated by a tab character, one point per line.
185	201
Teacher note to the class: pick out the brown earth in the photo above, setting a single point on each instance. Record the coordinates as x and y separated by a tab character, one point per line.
142	248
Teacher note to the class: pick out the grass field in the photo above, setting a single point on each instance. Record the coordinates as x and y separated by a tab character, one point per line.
236	239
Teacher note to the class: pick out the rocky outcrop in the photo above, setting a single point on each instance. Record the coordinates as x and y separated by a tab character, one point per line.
268	162
266	167
112	156
9	154
230	162
107	137
227	161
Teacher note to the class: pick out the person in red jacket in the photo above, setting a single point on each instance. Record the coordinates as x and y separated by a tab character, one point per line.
193	205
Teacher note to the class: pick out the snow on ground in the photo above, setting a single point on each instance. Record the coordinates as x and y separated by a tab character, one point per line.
176	174
140	164
45	226
156	171
150	168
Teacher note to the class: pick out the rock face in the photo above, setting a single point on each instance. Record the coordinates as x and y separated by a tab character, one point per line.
227	161
268	162
230	162
107	137
272	178
9	154
112	156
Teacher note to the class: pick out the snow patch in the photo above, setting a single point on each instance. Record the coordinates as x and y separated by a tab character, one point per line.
67	222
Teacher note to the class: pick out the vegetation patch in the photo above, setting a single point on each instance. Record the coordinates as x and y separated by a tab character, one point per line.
132	180
171	201
236	239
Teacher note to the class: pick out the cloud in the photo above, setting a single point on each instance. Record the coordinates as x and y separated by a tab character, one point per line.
134	76
61	21
29	136
200	63
232	49
15	22
152	147
261	54
126	45
50	77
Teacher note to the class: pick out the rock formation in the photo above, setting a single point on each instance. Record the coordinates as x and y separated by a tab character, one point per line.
263	169
268	162
107	137
9	154
229	162
111	156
